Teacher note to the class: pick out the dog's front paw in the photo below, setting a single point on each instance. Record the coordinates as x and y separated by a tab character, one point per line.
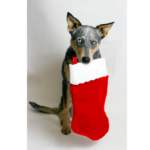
66	129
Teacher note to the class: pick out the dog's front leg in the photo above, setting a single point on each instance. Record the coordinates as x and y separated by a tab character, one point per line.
65	114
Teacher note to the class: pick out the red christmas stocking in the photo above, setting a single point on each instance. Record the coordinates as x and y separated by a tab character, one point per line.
88	84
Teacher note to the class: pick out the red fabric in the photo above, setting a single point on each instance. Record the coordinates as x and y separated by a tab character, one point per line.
89	117
74	60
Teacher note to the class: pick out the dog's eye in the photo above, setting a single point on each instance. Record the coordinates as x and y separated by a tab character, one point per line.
94	42
79	40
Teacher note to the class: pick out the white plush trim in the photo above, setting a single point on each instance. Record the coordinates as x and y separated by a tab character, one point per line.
80	73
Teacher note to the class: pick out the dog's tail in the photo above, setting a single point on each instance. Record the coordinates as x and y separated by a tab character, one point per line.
45	109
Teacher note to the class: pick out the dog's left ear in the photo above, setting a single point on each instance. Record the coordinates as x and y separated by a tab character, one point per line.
73	22
104	28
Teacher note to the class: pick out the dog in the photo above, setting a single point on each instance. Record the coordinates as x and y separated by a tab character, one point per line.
85	42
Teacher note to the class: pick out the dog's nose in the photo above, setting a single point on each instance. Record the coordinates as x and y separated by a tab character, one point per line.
85	60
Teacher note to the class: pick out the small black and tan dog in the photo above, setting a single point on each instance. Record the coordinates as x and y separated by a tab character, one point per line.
85	42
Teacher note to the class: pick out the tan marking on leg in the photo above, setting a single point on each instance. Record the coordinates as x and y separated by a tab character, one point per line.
65	114
65	120
67	72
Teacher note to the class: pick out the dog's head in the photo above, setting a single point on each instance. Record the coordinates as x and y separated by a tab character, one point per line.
85	40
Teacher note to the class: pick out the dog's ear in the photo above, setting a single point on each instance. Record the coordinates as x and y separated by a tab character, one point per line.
73	23
104	28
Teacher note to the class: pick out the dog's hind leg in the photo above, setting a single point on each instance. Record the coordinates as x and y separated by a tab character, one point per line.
45	109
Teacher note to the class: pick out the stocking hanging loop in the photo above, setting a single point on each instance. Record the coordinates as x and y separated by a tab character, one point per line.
74	60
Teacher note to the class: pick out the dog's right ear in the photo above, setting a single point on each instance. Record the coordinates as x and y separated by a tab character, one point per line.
73	23
104	28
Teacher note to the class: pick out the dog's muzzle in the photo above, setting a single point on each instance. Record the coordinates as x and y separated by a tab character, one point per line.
86	60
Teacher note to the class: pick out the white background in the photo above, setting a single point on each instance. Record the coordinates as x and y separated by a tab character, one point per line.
48	40
13	64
